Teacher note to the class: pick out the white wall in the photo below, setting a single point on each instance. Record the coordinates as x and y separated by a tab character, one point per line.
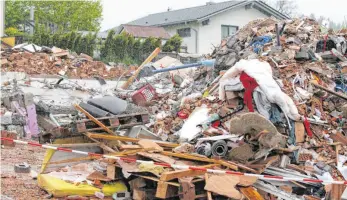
189	42
211	34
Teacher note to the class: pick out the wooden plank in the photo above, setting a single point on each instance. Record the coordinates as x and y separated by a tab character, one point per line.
76	145
299	132
164	190
130	146
188	189
137	72
157	180
74	160
250	193
128	139
111	171
167	176
209	194
198	158
337	191
243	167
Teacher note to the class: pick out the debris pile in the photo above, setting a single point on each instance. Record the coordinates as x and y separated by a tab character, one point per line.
269	120
46	61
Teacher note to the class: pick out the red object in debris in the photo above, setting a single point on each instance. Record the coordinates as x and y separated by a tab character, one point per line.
307	127
216	124
183	115
144	95
249	84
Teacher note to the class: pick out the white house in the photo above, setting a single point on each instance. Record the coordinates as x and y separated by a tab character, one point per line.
203	27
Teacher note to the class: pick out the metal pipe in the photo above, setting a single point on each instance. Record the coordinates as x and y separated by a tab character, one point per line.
207	63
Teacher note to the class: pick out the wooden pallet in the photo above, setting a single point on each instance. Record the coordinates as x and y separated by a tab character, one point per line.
116	121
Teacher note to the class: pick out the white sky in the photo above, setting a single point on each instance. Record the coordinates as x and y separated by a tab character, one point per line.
116	12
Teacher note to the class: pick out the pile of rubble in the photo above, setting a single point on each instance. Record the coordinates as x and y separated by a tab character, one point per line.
269	120
35	60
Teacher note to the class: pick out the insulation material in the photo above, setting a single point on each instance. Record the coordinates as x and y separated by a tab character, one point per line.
262	73
189	130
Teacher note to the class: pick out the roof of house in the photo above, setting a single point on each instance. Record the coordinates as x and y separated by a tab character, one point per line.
200	13
144	31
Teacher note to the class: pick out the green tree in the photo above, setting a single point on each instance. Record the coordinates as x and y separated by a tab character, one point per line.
173	44
63	15
106	48
16	13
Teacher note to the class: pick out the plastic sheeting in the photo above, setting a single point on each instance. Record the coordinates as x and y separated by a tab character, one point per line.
262	73
61	188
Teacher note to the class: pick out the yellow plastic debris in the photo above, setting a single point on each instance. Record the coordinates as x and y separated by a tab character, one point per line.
61	188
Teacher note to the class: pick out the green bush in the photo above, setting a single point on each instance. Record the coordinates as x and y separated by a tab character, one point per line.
11	31
173	44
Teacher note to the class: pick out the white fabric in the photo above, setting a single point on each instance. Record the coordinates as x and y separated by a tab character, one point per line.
262	73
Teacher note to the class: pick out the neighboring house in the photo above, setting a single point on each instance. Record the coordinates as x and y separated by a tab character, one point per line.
203	27
143	32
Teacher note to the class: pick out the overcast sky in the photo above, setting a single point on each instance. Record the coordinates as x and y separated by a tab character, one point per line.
117	12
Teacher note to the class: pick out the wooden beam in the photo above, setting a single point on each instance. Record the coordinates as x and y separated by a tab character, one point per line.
76	145
200	158
167	176
164	190
74	160
128	139
137	72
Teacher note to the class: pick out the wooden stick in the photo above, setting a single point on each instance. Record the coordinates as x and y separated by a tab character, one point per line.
102	145
330	91
94	119
137	72
198	158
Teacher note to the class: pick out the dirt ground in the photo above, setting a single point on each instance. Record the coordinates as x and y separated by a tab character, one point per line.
18	186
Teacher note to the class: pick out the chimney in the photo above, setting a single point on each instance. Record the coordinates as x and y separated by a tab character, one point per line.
210	3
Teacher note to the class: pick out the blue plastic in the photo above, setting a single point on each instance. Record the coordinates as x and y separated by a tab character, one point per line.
259	42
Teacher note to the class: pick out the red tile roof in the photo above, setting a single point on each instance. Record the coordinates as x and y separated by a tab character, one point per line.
146	31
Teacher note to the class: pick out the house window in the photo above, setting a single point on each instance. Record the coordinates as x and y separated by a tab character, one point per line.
228	30
184	32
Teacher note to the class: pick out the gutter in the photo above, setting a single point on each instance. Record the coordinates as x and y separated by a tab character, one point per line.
196	39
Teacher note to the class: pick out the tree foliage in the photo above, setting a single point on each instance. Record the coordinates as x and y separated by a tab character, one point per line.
56	16
287	7
127	49
71	40
173	44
